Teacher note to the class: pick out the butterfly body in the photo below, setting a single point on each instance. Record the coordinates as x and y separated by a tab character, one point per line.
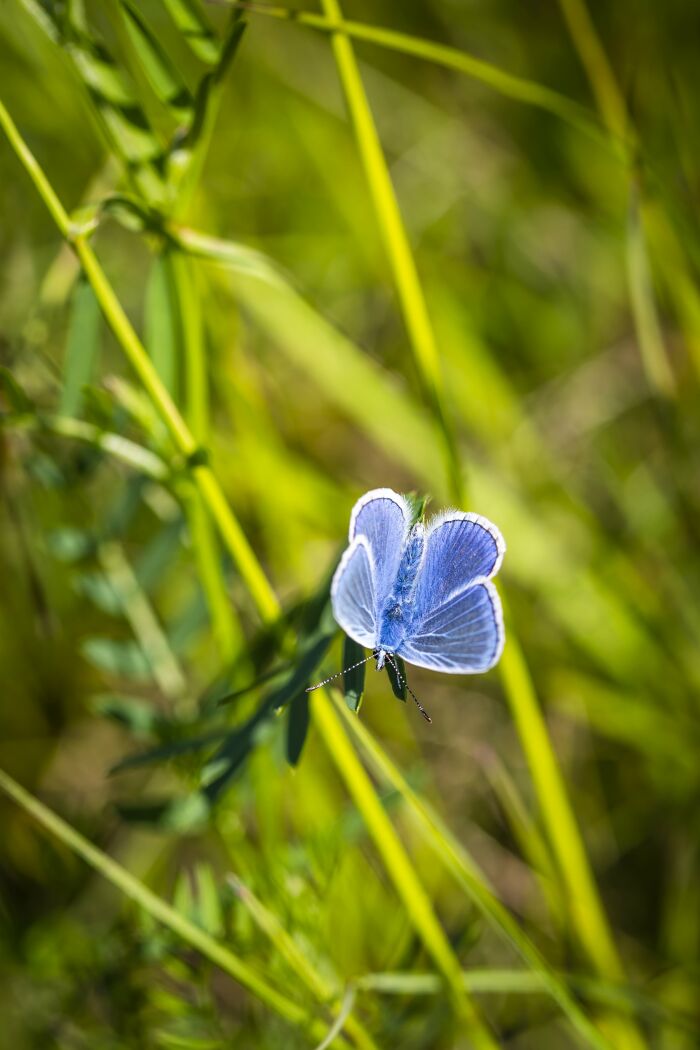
424	594
397	612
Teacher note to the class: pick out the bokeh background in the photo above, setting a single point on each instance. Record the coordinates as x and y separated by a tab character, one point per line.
545	164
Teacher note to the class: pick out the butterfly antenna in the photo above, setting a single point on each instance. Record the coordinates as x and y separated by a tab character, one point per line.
310	688
403	681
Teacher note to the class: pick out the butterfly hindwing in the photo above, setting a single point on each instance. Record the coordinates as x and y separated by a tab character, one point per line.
464	635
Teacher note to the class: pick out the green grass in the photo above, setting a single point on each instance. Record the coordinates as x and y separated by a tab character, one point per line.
256	266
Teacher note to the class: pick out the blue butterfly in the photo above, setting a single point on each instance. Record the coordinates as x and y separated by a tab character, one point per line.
420	592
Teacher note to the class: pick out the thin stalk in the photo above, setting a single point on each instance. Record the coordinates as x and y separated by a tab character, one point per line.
398	864
182	437
136	891
520	982
592	931
586	909
395	238
204	539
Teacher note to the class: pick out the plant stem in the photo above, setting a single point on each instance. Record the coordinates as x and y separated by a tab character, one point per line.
613	110
393	232
586	909
398	865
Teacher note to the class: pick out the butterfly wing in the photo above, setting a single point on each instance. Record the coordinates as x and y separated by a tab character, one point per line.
353	593
457	624
383	517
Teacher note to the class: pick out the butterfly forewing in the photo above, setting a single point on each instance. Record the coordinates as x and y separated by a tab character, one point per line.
383	518
459	549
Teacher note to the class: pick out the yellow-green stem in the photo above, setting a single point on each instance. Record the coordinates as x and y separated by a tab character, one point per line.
395	238
613	110
594	60
588	916
182	437
398	865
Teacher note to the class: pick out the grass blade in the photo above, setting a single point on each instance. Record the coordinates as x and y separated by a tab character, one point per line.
165	80
82	348
161	328
186	297
393	233
301	965
354	676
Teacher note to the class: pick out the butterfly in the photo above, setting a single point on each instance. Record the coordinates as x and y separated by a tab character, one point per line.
421	592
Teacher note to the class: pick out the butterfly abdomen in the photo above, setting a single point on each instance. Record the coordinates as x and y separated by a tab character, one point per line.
396	613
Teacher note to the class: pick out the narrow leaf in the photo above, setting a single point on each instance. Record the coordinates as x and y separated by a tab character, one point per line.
161	322
162	75
82	348
651	343
297	727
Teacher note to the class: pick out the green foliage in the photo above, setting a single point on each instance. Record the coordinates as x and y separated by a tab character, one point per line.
481	285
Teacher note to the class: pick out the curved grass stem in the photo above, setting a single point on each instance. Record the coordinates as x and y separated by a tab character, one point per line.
155	906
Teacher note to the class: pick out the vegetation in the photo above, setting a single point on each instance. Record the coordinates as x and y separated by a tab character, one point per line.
257	262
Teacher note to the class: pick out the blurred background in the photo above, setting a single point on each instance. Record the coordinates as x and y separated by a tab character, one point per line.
545	163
